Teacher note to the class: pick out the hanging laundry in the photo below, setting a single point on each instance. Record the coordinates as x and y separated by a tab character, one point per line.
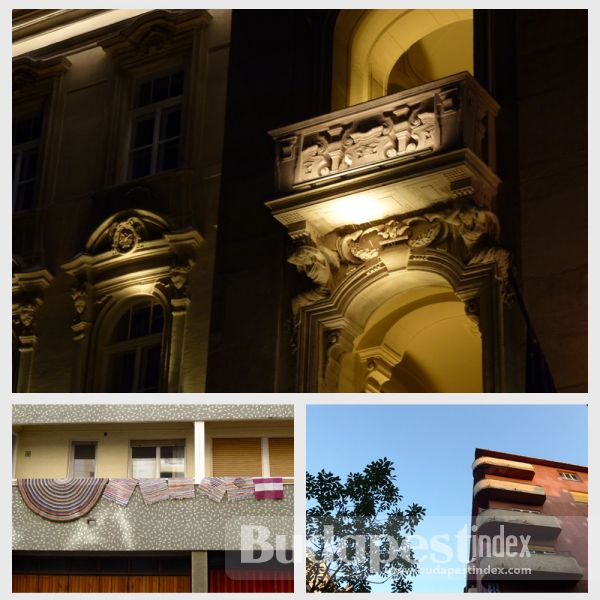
214	487
268	488
120	490
181	488
154	490
61	499
241	488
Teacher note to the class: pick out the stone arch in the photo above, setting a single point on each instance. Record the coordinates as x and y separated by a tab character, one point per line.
412	46
378	329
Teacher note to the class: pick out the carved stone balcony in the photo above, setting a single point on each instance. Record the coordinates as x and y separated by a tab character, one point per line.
487	465
516	522
197	523
418	147
535	567
508	491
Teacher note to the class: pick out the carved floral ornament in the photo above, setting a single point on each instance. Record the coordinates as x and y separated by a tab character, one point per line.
466	230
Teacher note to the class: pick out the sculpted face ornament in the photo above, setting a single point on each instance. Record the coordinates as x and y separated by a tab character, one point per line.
126	235
27	315
314	263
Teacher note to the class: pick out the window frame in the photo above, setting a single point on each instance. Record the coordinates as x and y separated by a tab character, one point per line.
72	444
156	109
569	476
157	444
109	349
20	150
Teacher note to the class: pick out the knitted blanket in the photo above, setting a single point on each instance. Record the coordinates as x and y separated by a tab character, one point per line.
181	488
61	499
120	490
154	490
214	487
241	488
268	488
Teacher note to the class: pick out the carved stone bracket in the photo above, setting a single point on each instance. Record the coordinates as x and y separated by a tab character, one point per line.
379	364
28	297
317	263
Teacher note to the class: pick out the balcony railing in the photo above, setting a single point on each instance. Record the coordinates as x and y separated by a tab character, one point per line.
517	522
198	523
447	114
560	566
508	491
487	465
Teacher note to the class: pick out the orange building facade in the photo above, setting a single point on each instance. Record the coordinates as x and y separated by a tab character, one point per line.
529	525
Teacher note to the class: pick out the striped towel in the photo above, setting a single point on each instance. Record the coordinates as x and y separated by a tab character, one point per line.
241	488
61	499
213	487
181	488
120	490
268	488
154	490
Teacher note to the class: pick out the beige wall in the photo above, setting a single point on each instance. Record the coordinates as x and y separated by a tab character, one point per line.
49	445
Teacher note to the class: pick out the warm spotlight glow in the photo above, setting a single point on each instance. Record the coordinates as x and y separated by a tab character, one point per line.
60	34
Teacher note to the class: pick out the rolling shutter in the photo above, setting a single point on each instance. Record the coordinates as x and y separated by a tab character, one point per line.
281	457
237	457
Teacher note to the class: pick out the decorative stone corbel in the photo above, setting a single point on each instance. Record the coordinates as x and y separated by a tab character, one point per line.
318	264
81	295
379	363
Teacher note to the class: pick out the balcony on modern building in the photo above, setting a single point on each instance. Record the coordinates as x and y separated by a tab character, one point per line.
518	522
538	567
198	523
488	465
178	444
508	491
409	151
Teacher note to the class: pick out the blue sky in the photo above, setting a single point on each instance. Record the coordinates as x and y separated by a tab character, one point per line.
432	447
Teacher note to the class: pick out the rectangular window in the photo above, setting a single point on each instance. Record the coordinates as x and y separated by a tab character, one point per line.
569	476
26	134
155	142
152	459
83	463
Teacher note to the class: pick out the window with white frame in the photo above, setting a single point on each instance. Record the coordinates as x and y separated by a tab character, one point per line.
155	143
83	459
569	476
135	349
152	459
26	134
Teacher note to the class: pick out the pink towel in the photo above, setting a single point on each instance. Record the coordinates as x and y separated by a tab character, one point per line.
268	488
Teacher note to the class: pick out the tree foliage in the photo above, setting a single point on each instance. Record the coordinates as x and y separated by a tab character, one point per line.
352	527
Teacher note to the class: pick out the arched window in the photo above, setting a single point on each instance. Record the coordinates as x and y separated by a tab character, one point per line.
134	352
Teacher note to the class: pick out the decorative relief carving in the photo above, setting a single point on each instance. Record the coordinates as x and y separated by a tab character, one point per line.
467	230
362	142
126	235
446	115
25	312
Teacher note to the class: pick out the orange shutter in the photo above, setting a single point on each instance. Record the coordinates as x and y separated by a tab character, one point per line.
237	457
281	457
